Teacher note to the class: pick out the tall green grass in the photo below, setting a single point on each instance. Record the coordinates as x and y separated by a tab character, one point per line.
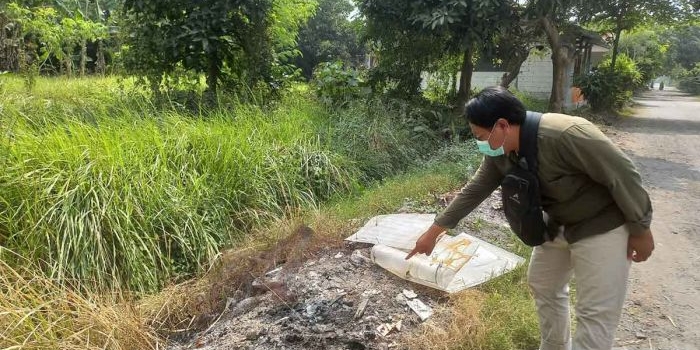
116	197
102	187
381	137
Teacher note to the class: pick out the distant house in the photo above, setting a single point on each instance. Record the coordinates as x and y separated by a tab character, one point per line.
535	77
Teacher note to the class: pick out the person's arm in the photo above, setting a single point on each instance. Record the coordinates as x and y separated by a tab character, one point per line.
486	179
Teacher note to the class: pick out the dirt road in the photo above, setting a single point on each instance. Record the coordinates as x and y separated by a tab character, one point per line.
663	308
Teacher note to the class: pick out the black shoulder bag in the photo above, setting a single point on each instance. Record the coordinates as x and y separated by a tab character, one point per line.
522	203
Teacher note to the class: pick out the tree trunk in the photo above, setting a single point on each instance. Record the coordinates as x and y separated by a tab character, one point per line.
616	47
465	79
560	58
513	72
83	57
556	99
213	73
100	65
10	45
68	63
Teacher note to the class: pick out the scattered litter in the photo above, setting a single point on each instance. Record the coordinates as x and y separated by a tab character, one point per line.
361	309
371	319
409	294
423	311
401	299
385	328
319	305
640	335
311	310
281	320
339	255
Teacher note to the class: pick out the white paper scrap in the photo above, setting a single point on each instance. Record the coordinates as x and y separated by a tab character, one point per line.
423	311
409	294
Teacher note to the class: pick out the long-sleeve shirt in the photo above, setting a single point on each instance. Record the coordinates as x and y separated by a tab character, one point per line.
588	185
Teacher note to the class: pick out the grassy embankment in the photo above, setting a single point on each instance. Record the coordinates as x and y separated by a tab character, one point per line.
102	194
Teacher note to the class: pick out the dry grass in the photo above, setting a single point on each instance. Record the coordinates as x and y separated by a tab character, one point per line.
38	313
459	323
497	316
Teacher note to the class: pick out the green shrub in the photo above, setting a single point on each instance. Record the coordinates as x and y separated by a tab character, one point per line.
532	103
689	81
607	89
336	85
383	138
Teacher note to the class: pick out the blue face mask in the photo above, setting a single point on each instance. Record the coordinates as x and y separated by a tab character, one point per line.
485	148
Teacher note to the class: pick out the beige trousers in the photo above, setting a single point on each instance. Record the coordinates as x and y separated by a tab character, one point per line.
600	267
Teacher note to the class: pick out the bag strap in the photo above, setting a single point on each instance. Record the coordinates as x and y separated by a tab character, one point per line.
528	140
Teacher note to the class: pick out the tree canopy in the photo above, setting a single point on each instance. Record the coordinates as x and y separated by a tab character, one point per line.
425	32
330	35
259	45
647	48
238	43
684	46
625	15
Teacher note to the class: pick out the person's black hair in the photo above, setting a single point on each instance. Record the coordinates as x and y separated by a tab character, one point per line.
493	103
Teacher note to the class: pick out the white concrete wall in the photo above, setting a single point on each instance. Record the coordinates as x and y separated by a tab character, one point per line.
535	76
481	80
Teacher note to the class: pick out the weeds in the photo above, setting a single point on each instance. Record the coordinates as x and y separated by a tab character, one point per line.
40	313
119	199
103	187
379	137
532	103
